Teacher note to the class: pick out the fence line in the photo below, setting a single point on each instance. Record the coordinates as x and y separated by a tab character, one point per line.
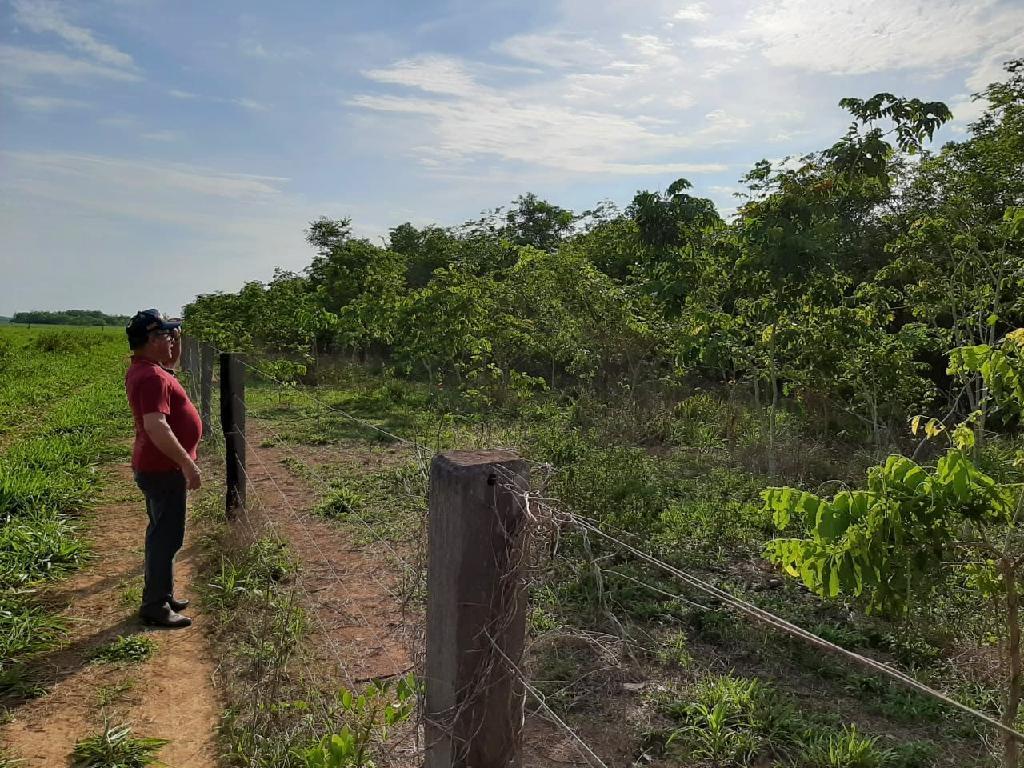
793	630
326	487
299	524
536	507
336	650
584	749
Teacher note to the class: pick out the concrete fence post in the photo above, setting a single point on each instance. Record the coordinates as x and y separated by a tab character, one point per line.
476	600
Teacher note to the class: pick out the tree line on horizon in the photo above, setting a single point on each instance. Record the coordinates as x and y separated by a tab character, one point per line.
67	317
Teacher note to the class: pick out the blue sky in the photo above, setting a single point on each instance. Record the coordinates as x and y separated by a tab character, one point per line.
150	151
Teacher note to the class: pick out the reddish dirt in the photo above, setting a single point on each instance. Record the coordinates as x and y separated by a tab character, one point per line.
352	594
169	696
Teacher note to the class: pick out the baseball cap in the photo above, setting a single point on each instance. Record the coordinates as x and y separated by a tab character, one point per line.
147	320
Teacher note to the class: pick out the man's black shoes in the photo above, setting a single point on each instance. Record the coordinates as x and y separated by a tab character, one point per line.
177	605
166	618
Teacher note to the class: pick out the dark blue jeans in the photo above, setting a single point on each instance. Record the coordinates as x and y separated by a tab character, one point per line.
165	505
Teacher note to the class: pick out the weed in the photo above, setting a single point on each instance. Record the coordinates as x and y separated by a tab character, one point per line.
674	651
251	573
341	501
19	681
115	747
114	692
732	719
370	715
25	629
130	594
126	648
845	749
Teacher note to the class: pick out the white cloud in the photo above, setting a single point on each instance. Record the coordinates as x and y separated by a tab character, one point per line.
18	66
111	174
554	50
49	103
142	233
44	16
862	36
433	74
185	95
723	43
470	121
693	12
250	104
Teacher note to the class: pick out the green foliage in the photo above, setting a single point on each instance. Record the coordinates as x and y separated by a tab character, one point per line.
249	573
731	721
126	648
115	747
845	749
61	412
370	716
341	501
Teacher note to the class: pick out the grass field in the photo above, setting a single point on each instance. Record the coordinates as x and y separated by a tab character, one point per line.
62	413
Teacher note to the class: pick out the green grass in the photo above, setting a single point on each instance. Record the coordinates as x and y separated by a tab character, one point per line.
126	648
114	693
62	414
115	747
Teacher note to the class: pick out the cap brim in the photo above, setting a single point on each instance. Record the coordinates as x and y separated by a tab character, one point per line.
169	326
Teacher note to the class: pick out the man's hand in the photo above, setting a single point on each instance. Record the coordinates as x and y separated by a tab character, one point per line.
193	477
160	433
175	349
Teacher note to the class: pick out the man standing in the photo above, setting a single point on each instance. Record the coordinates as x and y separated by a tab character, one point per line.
167	432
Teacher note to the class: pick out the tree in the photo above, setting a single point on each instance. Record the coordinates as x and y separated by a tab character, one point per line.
891	543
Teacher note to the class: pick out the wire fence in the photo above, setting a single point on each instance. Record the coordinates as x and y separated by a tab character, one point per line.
547	519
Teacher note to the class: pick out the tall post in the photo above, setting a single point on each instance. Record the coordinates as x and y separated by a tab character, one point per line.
186	353
205	385
476	604
232	422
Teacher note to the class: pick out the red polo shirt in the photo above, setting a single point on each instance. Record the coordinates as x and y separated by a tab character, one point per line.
152	389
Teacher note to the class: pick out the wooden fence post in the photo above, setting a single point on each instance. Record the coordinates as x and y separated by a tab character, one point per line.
205	384
232	422
186	354
475	593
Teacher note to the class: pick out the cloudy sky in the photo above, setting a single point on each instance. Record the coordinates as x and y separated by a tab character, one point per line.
153	150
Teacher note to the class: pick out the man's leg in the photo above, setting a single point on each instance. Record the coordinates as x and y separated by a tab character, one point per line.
165	505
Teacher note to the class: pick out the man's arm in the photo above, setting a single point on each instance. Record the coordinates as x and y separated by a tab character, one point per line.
160	433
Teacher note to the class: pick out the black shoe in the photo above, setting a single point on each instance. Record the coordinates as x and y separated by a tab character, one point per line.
165	618
178	605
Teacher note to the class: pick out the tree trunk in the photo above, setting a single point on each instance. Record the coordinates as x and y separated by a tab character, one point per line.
1013	687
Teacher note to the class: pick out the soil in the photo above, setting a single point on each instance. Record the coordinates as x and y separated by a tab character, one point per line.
169	696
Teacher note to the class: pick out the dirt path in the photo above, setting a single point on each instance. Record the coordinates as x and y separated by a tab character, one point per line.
169	696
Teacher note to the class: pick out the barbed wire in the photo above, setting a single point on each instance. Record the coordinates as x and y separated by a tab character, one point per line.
295	517
791	629
584	749
326	487
535	504
296	582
